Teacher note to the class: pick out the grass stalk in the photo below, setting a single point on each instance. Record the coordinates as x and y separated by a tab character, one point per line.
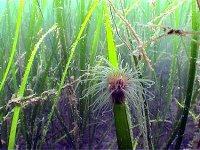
84	34
59	5
192	72
97	36
124	135
22	89
71	54
13	50
146	111
121	114
93	53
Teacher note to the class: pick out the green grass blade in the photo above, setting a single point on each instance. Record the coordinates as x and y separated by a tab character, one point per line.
22	90
13	50
30	62
31	28
71	54
83	26
192	72
112	51
59	5
97	35
124	135
121	113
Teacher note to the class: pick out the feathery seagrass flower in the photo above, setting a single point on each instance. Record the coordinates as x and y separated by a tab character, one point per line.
111	86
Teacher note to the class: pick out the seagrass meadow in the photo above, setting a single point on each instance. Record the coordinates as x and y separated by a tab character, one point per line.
99	74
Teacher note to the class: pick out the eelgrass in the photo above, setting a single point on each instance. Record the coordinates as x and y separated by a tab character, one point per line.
46	70
122	89
20	94
136	59
59	5
14	46
192	72
179	128
93	53
15	41
116	85
97	35
121	114
71	54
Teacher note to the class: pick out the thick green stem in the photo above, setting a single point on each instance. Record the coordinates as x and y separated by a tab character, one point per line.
188	95
146	111
191	77
188	98
120	109
122	125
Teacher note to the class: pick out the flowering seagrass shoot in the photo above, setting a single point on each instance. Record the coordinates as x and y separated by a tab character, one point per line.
99	74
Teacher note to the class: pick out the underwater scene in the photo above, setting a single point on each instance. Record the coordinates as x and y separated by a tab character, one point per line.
99	74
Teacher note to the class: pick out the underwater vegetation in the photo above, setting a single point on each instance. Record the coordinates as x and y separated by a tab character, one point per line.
99	74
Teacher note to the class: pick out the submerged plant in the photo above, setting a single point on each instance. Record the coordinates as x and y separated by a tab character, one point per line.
119	86
20	94
191	74
122	89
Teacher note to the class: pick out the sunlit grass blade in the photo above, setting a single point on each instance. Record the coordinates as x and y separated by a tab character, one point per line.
96	51
120	110
71	54
22	88
97	35
112	51
14	46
